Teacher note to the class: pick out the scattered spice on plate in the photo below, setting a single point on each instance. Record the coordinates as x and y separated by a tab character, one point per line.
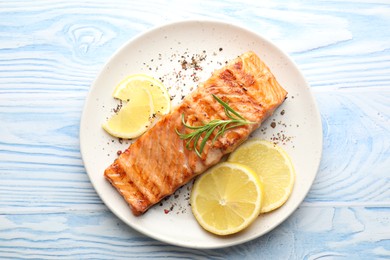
118	107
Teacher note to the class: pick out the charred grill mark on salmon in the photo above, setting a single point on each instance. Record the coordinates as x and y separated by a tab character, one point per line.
158	163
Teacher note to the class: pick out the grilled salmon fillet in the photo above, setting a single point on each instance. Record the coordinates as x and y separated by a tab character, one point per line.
158	162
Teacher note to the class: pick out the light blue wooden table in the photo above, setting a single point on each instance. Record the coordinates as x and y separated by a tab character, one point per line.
50	53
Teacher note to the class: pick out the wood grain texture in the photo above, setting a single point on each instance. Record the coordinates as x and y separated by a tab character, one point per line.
50	53
312	232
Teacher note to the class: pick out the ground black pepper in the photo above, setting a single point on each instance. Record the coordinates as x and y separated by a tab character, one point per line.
118	107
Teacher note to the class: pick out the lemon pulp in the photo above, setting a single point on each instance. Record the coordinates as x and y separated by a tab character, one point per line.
134	118
227	198
144	97
273	166
160	97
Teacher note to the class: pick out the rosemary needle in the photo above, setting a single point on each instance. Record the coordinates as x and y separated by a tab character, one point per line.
207	129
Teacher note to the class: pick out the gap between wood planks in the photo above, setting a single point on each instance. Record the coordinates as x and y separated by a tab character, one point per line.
101	208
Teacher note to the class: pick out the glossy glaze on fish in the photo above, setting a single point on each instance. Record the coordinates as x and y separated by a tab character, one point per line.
158	163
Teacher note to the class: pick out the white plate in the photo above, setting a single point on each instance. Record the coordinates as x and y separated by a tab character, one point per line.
160	53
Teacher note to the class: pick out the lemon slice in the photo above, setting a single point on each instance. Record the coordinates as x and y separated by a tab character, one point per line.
227	198
161	100
274	168
134	118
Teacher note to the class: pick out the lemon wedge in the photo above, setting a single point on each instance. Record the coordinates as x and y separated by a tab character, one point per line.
161	99
135	116
274	168
227	198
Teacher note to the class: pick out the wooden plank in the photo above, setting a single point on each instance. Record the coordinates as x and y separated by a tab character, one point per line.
310	233
356	153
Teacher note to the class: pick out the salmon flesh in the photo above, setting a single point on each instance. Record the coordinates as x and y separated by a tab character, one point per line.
158	162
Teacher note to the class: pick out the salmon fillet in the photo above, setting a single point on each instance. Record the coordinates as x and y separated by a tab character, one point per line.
158	162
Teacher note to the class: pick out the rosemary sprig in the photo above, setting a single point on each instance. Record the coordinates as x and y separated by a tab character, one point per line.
235	120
